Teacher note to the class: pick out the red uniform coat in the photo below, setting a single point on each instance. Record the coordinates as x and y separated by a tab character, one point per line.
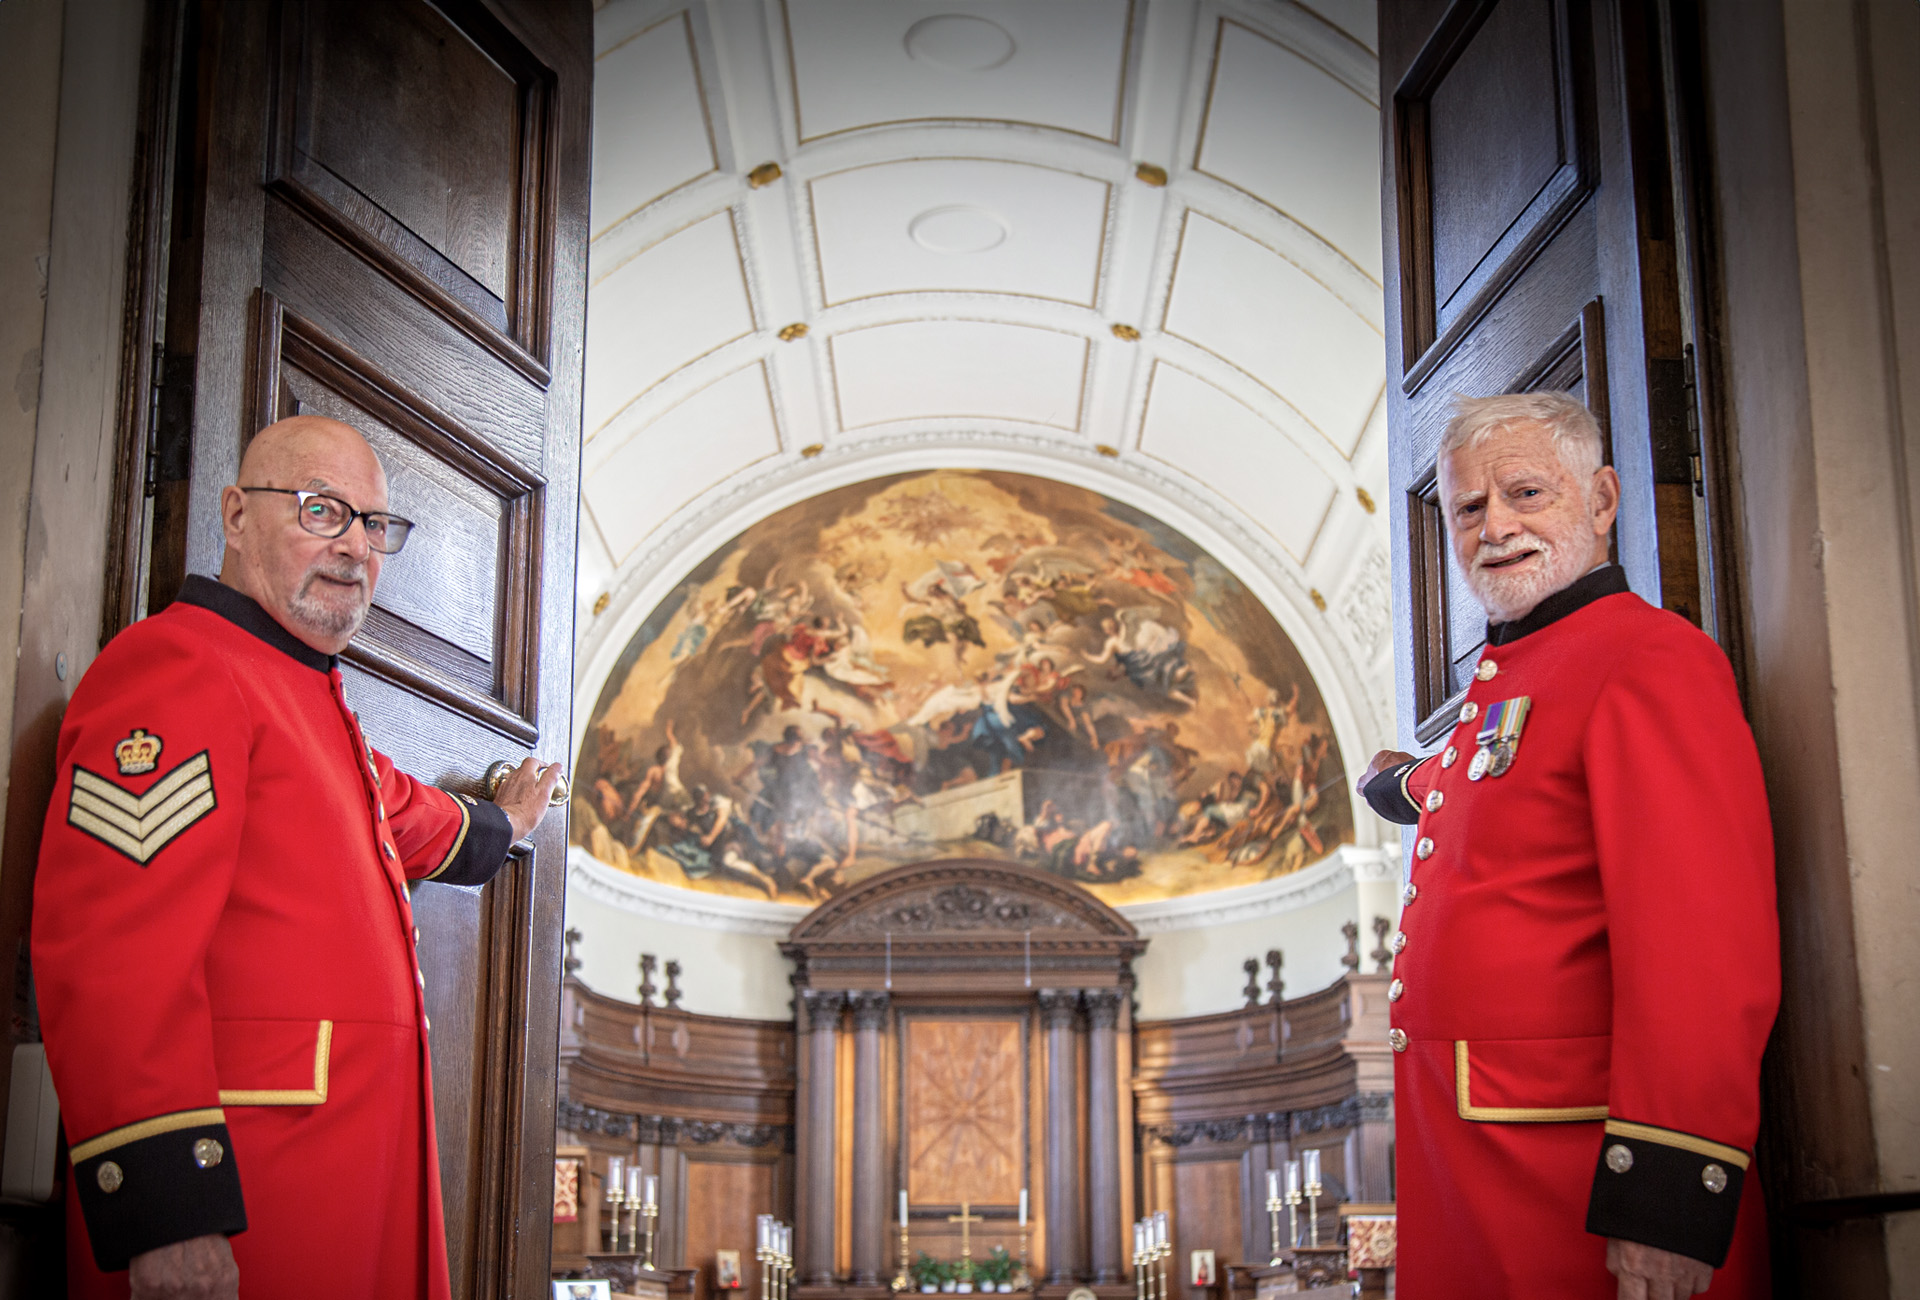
223	951
1587	965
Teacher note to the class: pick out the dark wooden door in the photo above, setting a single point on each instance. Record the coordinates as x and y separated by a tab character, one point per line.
388	226
1537	236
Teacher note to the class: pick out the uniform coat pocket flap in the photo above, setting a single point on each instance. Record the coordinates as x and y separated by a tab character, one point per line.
1532	1080
272	1062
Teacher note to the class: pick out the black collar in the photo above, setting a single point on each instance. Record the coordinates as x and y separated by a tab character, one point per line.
1608	581
246	613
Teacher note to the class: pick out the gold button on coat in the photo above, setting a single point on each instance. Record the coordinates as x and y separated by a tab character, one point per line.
1715	1179
208	1152
1424	849
1450	757
1619	1159
1469	711
1399	941
1486	670
109	1176
1395	991
1397	1039
1434	800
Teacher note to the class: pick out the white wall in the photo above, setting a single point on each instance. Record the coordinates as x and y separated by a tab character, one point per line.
724	973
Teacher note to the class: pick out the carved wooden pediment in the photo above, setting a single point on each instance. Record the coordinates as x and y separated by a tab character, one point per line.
962	914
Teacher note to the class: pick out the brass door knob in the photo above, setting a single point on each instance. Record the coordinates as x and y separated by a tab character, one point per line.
499	770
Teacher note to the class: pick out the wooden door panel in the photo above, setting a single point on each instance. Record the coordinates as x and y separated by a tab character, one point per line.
723	1193
419	135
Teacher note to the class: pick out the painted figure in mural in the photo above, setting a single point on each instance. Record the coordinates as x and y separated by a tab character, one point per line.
960	662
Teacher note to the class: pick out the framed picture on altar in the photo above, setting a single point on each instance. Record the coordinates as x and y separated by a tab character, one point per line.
1201	1268
726	1270
598	1289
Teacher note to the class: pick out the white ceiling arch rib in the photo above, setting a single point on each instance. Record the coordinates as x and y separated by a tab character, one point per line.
963	257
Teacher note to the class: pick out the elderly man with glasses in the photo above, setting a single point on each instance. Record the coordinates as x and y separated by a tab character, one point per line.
223	945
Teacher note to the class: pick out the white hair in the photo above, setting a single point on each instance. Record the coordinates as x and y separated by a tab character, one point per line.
1575	433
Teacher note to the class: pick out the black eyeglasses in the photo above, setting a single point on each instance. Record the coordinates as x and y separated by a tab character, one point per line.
326	516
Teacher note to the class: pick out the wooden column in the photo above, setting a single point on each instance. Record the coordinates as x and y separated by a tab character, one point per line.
869	1210
820	1021
1103	1133
1060	1015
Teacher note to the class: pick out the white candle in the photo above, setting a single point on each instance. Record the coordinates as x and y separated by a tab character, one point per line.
652	1196
903	1207
1139	1240
1293	1179
786	1239
1312	1167
1023	1207
1273	1184
614	1165
633	1182
1159	1227
765	1223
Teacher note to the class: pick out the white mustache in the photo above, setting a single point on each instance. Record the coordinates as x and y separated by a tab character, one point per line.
1494	554
347	573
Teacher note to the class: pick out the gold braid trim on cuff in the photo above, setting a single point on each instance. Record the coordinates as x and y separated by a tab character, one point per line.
459	841
1667	1137
146	1128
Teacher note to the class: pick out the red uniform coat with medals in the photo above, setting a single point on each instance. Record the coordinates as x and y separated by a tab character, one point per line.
224	956
1587	965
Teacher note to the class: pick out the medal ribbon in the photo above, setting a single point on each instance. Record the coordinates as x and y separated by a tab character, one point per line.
1504	721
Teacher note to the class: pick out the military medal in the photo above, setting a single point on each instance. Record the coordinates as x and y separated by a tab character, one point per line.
1499	737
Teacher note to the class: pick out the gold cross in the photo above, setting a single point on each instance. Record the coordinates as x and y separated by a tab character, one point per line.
965	1220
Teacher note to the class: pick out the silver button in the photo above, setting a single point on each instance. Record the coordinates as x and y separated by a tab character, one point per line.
1424	849
421	980
1397	1039
1715	1179
1399	943
1448	759
1434	800
1395	991
208	1152
1486	670
1410	893
387	849
1469	711
109	1177
416	936
1619	1159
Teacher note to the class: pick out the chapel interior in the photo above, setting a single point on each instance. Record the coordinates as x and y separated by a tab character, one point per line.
954	482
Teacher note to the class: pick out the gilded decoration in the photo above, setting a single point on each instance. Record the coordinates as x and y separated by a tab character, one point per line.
960	663
965	1122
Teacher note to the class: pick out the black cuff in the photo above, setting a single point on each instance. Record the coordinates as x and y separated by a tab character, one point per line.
1667	1189
483	845
154	1190
1386	795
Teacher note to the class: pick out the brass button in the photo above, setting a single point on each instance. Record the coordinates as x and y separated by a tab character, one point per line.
416	936
109	1176
1399	944
208	1152
1434	800
388	850
421	980
1619	1159
1715	1179
1397	1039
1424	849
1469	711
1411	892
1395	991
1451	756
1487	670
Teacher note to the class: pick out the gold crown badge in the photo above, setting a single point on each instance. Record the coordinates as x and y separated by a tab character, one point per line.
138	753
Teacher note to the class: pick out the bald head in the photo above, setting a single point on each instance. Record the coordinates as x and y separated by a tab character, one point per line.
318	588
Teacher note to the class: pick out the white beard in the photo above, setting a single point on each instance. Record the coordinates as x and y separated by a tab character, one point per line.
335	615
1508	595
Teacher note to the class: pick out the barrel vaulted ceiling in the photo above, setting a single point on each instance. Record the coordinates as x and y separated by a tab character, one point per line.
1134	245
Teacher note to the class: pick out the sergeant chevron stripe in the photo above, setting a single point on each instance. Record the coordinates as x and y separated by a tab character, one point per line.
141	825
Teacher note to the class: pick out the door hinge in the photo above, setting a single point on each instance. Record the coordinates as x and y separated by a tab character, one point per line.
1691	386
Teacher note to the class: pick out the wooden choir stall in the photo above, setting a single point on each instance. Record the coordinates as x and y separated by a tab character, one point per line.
964	1057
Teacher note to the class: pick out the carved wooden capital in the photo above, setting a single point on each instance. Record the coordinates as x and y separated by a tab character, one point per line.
869	1009
1060	1008
1103	1007
820	1009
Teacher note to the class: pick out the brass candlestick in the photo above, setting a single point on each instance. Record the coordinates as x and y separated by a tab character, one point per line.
1313	1213
1273	1229
1165	1249
1293	1217
652	1213
901	1282
1139	1267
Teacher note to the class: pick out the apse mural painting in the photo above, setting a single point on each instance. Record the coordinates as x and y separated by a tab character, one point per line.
951	664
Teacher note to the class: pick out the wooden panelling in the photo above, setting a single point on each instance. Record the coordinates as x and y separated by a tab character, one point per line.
1206	1216
966	1121
721	1199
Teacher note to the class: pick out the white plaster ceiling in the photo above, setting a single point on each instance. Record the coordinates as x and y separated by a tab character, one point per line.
968	253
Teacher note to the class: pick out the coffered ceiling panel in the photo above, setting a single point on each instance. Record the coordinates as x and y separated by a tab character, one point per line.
651	134
1204	432
944	369
959	225
669	305
694	445
1245	304
1053	65
1294	137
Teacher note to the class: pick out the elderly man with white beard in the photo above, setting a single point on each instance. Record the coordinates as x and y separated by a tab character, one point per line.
1587	965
